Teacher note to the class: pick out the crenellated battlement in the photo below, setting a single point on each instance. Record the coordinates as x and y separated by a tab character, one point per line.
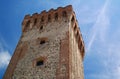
45	17
60	14
77	34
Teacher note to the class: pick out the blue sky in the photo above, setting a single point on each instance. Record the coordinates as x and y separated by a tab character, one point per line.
99	21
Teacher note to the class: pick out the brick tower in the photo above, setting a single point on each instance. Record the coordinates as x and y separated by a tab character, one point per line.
50	47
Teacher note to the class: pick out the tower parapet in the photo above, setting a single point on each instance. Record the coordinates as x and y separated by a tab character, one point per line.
36	20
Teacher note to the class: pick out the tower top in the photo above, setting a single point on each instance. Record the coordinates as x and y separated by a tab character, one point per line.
46	16
39	21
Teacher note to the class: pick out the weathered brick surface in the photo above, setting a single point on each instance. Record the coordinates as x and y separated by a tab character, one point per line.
63	67
54	38
50	50
76	66
20	50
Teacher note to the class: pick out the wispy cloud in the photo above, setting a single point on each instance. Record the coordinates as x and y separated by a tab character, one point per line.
111	60
4	54
100	26
4	58
102	43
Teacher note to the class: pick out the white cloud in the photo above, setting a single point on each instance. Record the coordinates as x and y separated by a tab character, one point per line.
4	58
4	54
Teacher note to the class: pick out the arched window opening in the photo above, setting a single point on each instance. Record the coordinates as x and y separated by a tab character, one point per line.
41	27
77	36
73	19
49	18
83	50
35	21
56	16
28	24
81	46
79	40
64	14
75	27
42	42
42	19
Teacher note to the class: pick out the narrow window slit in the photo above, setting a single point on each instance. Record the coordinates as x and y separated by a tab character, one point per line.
64	14
56	16
28	24
77	33
49	18
35	21
75	27
83	50
73	19
77	36
81	46
41	27
39	63
42	42
42	19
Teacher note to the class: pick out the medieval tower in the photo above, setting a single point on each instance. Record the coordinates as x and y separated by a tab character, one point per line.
50	47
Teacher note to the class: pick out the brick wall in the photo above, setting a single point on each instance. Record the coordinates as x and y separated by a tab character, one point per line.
76	65
51	47
51	51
